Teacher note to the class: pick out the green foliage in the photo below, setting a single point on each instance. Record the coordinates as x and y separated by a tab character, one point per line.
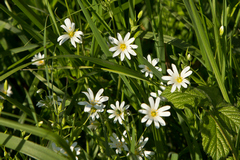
219	129
190	98
43	108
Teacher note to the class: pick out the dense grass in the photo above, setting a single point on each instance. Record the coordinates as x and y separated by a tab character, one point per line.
205	116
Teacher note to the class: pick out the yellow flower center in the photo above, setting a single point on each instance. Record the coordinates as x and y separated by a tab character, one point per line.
123	47
147	68
71	34
137	152
93	110
118	112
119	145
179	79
41	62
153	113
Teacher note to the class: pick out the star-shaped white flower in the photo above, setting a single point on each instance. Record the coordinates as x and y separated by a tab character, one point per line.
36	58
72	147
158	94
50	100
124	46
118	144
147	70
117	111
8	92
176	79
153	113
140	152
74	36
95	104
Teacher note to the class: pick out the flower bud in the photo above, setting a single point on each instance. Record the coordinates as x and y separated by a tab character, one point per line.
221	30
189	57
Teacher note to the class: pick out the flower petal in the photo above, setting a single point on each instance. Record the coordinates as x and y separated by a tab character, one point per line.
97	97
117	53
173	88
174	68
112	49
127	36
149	122
119	37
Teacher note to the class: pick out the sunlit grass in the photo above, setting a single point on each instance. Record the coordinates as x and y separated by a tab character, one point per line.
57	58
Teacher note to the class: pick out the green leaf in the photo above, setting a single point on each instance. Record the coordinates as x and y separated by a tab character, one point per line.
50	85
29	148
95	31
231	116
217	131
17	104
189	98
213	140
213	94
44	133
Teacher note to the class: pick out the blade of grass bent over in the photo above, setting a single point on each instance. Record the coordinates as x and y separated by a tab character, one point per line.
202	39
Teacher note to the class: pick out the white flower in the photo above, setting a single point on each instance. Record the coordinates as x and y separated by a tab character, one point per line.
140	152
118	144
50	100
153	113
158	94
75	36
146	69
94	105
118	111
36	58
93	125
8	92
72	147
176	79
123	47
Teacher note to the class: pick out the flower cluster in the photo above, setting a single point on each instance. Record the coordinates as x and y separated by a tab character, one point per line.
146	69
154	113
38	60
49	101
117	143
74	36
121	145
7	91
176	79
118	111
62	151
95	104
123	46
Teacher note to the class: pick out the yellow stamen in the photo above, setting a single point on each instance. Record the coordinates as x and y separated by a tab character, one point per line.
119	145
123	47
118	112
93	110
41	62
179	79
153	113
71	34
147	68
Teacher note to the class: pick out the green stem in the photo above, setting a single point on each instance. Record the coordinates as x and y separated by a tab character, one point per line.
159	143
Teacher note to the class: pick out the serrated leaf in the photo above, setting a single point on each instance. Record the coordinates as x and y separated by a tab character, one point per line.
189	98
231	116
213	140
218	129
